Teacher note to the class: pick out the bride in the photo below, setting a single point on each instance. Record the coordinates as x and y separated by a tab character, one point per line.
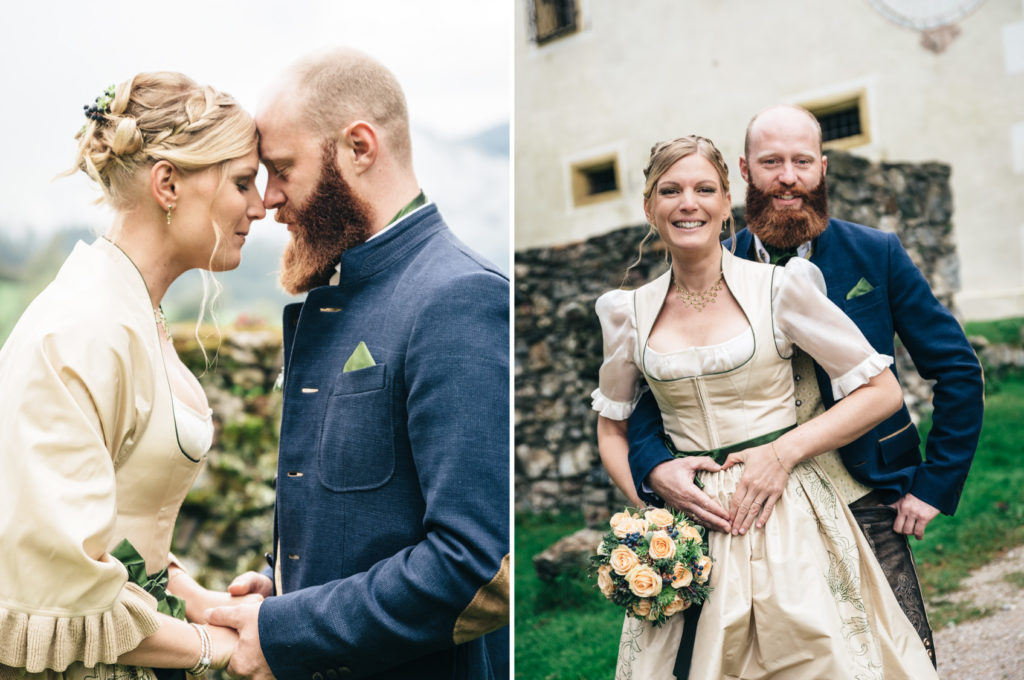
102	428
799	595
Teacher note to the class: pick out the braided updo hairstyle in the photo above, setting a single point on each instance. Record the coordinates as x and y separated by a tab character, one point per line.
160	116
663	156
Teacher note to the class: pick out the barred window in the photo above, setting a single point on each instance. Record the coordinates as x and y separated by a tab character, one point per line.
839	124
552	19
843	120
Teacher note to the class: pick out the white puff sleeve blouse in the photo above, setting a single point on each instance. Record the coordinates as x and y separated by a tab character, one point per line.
802	314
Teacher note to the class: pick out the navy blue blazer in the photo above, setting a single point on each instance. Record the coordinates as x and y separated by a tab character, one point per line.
391	525
901	303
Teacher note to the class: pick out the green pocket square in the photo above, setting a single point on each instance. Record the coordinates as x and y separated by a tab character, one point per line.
862	288
360	358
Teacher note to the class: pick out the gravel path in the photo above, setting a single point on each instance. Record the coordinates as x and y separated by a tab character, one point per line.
991	648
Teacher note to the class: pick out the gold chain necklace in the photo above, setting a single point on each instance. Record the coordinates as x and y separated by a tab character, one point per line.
698	299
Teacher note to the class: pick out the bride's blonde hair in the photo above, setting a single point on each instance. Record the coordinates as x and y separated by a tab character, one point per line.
162	116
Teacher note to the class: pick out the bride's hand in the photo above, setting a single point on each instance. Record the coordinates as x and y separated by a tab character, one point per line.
213	598
223	641
759	488
198	599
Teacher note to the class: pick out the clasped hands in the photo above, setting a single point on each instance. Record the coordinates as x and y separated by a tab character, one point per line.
764	477
232	619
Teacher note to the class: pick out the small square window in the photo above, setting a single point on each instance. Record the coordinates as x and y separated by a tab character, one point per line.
843	120
552	19
843	123
595	180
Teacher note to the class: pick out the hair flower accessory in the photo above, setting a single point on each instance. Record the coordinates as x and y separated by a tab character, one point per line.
102	105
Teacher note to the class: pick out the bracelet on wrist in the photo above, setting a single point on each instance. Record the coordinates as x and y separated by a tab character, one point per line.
205	651
779	458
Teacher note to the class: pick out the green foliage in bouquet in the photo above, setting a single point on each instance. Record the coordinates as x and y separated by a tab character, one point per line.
653	563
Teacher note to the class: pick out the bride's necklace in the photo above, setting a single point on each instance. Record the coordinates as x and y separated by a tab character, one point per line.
698	299
161	321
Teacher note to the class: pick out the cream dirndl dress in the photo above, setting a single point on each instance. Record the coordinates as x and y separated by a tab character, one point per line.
803	598
94	449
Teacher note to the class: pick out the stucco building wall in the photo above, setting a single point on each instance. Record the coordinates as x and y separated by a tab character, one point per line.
635	73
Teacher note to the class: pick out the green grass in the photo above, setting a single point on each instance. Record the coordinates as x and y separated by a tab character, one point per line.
990	517
565	630
1004	331
568	631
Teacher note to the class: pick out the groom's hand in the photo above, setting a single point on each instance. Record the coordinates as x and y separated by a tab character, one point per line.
251	582
912	515
248	660
673	482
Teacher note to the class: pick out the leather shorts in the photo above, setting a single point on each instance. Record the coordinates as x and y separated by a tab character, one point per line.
893	553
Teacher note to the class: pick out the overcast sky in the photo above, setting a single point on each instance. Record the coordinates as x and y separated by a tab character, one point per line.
453	57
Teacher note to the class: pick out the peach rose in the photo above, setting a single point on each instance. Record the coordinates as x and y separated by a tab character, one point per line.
604	580
623	559
659	517
688	531
681	576
661	546
618	518
642	608
675	606
643	581
703	569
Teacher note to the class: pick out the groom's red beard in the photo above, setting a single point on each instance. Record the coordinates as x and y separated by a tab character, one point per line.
787	227
333	220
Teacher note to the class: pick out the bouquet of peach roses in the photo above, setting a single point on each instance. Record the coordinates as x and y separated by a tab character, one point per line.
653	562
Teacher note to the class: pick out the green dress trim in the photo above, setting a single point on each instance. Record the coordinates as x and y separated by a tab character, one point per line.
155	584
720	454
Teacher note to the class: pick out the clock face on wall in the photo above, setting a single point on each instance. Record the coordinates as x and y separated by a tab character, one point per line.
924	15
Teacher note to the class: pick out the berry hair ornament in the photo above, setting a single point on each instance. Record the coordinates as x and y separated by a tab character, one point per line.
102	106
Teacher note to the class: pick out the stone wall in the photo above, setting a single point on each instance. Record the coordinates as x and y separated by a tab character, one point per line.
226	523
558	338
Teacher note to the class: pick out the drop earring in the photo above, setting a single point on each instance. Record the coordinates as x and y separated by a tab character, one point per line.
170	207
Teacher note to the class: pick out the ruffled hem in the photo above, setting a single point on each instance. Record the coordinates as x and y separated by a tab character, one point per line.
613	410
39	642
79	671
860	375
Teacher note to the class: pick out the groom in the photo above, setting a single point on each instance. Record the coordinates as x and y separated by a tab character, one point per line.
870	277
391	533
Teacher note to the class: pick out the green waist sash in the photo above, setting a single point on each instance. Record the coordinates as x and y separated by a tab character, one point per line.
720	454
155	584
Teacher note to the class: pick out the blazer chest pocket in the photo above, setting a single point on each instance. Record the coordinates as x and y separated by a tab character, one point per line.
357	449
863	302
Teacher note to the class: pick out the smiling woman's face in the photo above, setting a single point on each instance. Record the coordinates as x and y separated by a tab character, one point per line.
689	205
